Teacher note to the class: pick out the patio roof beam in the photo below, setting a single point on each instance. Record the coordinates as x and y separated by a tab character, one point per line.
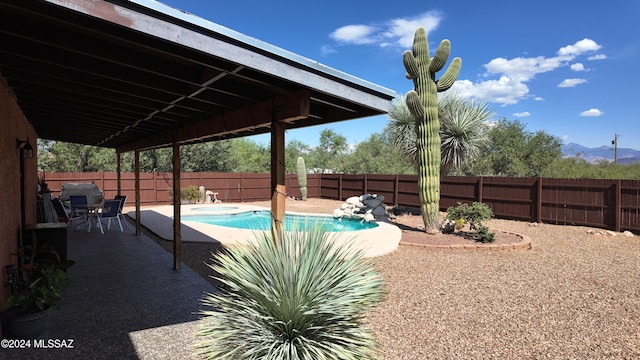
291	107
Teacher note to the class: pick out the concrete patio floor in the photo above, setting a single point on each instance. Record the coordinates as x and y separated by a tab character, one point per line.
125	301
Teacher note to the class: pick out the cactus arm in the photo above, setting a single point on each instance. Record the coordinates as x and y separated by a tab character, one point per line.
449	76
410	64
414	105
441	56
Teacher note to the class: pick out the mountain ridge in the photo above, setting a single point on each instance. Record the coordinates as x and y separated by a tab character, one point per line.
593	155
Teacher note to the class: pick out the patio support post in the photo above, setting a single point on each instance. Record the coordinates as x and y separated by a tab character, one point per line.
177	239
118	174
137	186
277	177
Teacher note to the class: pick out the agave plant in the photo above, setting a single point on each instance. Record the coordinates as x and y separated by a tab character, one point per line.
300	298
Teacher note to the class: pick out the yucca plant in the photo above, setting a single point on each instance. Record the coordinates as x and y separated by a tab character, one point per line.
300	298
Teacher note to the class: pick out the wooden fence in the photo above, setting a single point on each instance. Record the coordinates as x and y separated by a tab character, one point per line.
610	204
154	187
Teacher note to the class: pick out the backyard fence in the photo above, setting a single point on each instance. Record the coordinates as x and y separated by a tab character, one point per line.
154	187
610	204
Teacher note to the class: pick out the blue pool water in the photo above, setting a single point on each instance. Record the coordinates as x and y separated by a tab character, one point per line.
260	220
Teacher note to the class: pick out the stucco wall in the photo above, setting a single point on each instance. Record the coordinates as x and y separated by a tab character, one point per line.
13	126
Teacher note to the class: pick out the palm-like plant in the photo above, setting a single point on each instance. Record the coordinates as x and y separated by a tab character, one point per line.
463	129
300	298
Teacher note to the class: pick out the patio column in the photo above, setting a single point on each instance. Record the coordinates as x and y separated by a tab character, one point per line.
277	177
177	237
118	172
136	161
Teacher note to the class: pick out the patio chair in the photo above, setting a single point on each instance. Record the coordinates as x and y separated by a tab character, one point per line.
78	205
123	200
109	211
61	212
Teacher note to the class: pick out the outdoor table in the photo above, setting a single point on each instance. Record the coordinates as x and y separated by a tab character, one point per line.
91	214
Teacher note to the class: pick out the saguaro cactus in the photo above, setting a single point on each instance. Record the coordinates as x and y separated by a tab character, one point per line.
423	104
302	177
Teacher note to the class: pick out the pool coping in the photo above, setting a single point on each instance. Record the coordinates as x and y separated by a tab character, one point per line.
381	240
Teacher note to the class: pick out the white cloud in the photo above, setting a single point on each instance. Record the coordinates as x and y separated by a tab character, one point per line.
583	46
355	34
401	31
396	32
597	57
571	82
327	49
577	67
591	112
504	91
538	98
522	69
522	114
514	73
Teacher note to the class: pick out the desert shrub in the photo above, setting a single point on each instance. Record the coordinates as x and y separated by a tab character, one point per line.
474	215
190	194
302	297
484	236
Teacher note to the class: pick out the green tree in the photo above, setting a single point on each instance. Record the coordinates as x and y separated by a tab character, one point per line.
204	157
377	155
248	156
328	156
293	150
513	151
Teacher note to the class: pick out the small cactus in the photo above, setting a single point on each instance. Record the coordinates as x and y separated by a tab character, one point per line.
302	177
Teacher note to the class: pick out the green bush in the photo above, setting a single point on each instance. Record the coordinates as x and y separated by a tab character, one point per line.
299	298
484	236
190	194
474	215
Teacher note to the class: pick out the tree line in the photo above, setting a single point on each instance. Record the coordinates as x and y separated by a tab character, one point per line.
472	144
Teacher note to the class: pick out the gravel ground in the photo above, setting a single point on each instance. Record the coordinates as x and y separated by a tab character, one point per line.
572	296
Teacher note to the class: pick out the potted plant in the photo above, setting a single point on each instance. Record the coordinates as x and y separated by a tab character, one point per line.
36	287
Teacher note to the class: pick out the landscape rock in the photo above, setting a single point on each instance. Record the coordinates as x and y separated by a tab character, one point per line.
627	233
368	207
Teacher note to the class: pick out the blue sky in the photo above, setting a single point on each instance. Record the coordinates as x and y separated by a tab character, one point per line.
571	69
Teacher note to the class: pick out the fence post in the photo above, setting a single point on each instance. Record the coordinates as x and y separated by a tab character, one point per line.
340	187
480	186
618	204
366	184
396	184
539	201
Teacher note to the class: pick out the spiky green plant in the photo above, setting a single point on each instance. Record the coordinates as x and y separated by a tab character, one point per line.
301	298
423	105
302	177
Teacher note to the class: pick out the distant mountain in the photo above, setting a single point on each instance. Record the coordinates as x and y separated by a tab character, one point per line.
592	155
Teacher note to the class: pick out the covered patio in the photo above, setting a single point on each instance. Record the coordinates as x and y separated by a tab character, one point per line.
133	76
125	301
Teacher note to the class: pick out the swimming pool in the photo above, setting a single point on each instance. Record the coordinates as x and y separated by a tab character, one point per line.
214	208
261	219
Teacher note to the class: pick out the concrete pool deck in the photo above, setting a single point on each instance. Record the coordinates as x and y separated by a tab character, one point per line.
378	241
